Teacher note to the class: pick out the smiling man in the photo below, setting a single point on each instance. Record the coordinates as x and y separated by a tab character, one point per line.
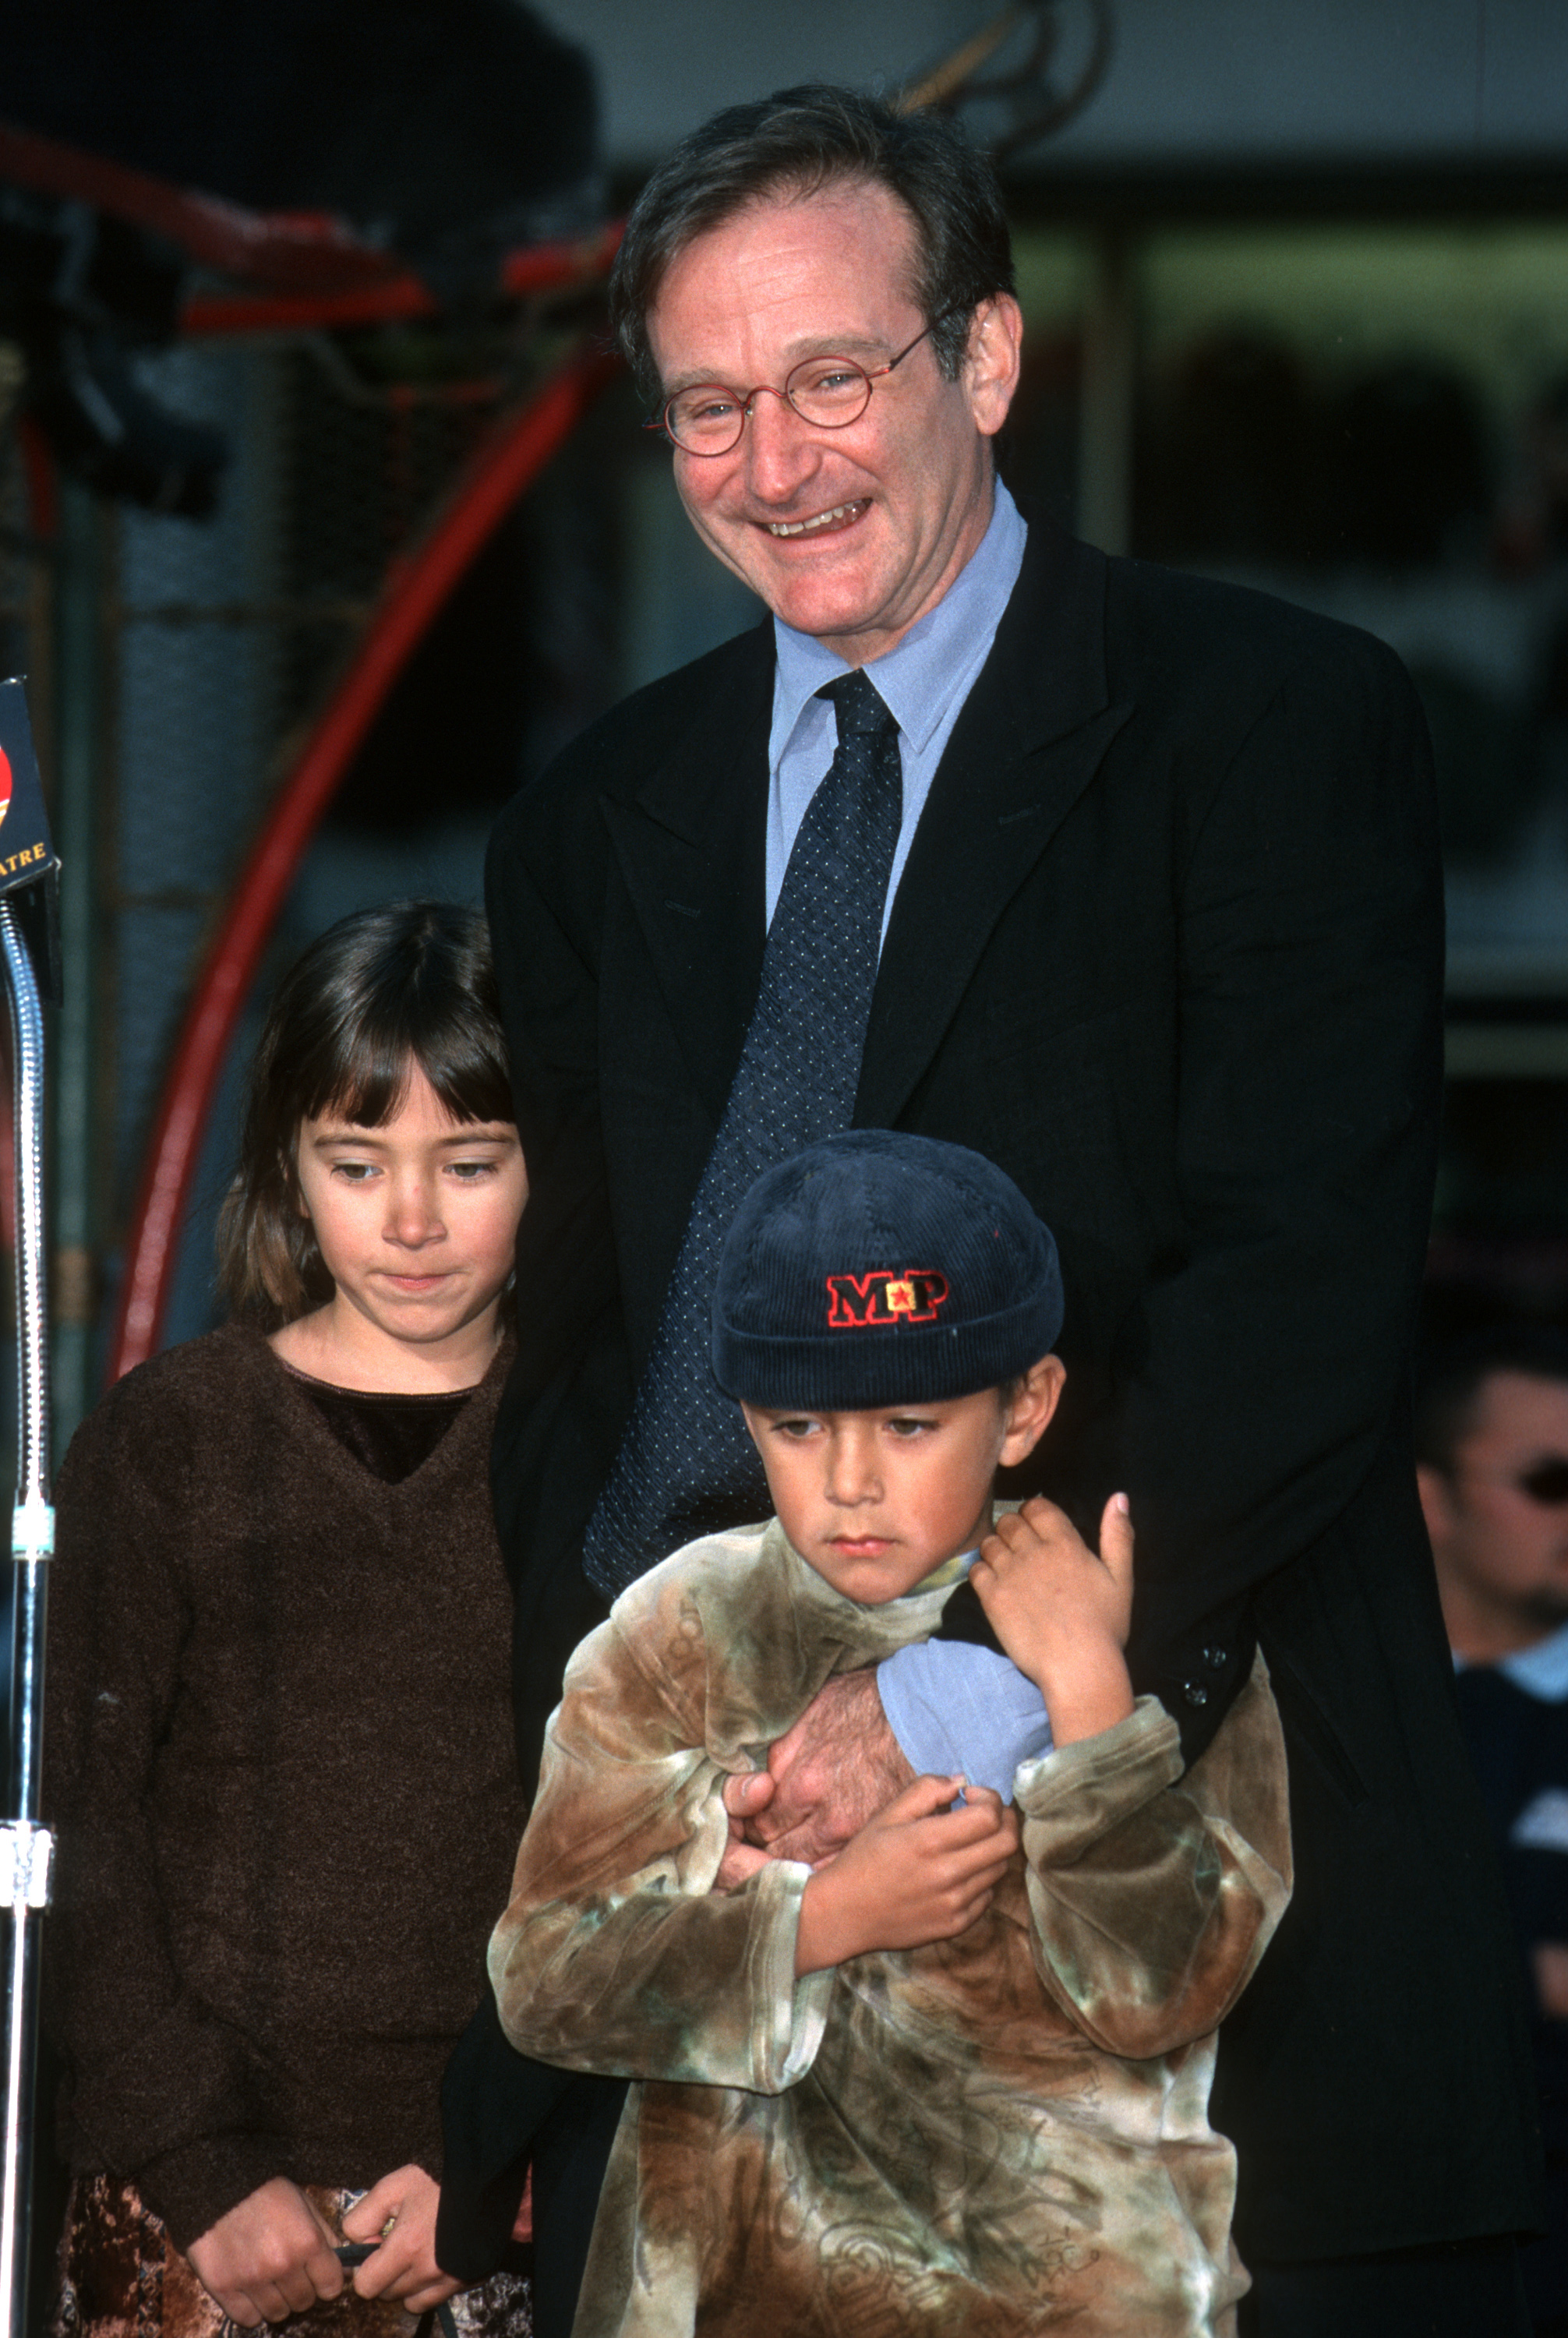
853	531
1129	882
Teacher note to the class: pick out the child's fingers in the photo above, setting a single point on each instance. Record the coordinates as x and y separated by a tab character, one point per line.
965	1897
365	2219
1116	1540
990	1806
424	2301
922	1798
963	1862
978	1818
1039	1522
385	2273
1010	1529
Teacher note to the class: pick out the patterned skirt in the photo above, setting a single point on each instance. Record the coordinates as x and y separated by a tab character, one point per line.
120	2276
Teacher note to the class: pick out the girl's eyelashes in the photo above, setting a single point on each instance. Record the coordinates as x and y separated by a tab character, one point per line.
467	1173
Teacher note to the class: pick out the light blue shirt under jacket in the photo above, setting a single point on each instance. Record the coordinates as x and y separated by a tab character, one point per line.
952	1705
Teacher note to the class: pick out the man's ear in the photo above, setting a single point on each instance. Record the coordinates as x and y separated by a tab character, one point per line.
1437	1504
992	361
1030	1408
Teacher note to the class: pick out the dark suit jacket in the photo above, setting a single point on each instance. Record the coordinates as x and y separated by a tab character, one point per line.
1167	948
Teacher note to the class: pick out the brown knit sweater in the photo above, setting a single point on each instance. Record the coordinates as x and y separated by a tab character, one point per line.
278	1756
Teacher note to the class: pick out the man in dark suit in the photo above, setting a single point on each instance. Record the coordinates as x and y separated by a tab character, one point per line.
1161	937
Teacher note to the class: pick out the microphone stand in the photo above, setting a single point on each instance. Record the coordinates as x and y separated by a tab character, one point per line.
25	1847
29	930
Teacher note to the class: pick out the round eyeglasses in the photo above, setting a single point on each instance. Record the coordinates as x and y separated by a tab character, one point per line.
829	393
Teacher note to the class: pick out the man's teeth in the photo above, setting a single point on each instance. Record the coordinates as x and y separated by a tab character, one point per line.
819	519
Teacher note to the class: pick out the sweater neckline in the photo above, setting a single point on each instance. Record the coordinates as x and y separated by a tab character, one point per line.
452	1450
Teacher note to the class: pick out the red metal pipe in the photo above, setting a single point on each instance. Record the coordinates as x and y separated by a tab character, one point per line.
535	268
514	451
292	250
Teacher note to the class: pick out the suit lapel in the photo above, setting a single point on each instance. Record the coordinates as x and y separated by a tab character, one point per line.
691	846
1032	735
691	843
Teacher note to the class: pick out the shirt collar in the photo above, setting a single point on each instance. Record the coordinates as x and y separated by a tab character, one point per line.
1541	1670
918	678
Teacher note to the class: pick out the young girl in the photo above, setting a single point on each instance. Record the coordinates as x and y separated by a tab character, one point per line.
280	1742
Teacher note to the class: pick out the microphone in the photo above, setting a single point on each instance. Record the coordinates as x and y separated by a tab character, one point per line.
29	868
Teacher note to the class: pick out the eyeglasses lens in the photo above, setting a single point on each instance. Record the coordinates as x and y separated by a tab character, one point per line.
705	421
1546	1483
828	392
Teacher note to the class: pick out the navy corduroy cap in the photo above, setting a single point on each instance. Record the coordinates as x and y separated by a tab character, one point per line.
880	1268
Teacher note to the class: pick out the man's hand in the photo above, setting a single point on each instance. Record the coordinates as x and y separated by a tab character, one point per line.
835	1769
404	2268
1062	1613
919	1871
270	2256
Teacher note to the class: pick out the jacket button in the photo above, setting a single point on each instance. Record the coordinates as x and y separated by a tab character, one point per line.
1195	1693
1216	1659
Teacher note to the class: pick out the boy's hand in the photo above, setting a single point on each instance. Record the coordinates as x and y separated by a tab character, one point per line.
1062	1614
401	2210
269	2258
918	1872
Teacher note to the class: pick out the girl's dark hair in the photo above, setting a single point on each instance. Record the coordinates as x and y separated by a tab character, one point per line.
412	983
797	141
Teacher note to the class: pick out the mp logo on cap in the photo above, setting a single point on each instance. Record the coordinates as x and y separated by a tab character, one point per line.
857	1302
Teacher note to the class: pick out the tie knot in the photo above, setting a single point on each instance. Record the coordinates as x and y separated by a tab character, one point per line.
862	711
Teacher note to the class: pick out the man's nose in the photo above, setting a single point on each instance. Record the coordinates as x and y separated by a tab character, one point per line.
780	449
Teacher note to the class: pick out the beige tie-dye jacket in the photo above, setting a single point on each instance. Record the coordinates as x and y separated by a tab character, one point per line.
1003	2133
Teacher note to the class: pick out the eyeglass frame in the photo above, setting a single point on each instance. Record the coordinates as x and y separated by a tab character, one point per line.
871	375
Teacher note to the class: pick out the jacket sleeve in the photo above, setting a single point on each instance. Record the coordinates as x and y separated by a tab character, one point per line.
612	1955
159	2088
1154	1894
1271	1367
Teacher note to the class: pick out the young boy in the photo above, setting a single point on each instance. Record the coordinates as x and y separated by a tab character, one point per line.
944	2082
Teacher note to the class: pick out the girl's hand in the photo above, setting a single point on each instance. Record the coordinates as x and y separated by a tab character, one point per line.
269	2258
917	1872
1062	1613
404	2268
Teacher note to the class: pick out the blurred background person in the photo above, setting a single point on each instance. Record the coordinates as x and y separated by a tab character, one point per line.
1492	1443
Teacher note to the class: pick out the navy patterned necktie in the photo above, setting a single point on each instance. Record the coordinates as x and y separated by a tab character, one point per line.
686	1466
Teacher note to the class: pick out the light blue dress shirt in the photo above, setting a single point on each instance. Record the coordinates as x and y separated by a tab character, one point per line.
951	1706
